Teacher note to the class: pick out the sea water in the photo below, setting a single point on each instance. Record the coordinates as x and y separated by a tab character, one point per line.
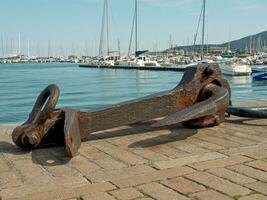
84	88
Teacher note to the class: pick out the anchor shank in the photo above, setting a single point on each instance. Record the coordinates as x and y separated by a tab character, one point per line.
129	112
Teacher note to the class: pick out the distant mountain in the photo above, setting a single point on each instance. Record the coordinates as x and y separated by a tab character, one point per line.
256	41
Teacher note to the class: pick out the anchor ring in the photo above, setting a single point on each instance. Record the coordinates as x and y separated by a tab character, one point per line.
49	96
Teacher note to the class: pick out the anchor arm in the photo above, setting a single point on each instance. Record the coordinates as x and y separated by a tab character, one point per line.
217	101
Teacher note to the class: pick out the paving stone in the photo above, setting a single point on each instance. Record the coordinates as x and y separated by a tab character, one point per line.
169	151
98	196
193	149
218	184
259	187
232	160
83	165
244	150
63	171
259	164
152	176
251	172
150	155
258	154
183	185
206	145
210	195
254	197
127	194
127	157
111	175
31	173
109	163
161	192
232	176
219	141
53	191
9	179
188	160
3	165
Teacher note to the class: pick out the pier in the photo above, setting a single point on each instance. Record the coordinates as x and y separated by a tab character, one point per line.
139	162
149	68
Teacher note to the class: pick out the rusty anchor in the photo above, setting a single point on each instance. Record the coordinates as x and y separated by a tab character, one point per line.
199	100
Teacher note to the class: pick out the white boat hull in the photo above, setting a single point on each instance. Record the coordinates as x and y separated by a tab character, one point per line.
235	69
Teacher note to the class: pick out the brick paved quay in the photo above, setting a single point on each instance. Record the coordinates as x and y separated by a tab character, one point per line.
139	162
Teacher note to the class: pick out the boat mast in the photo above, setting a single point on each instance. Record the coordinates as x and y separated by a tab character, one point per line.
19	45
28	48
2	45
203	29
107	27
136	29
102	30
119	47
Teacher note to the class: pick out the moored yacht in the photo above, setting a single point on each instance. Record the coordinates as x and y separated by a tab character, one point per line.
105	61
235	67
140	61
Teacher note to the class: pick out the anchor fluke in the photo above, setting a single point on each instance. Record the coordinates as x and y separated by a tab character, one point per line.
214	101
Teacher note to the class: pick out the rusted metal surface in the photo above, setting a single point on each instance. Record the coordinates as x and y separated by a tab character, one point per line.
199	100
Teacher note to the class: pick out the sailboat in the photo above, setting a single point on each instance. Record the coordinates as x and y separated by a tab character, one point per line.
138	60
203	16
104	60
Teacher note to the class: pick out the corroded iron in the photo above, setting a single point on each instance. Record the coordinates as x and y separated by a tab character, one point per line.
199	100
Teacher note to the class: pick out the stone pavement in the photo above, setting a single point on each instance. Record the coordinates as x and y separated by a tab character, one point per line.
139	162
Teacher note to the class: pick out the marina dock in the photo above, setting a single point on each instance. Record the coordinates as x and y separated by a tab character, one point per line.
149	68
139	162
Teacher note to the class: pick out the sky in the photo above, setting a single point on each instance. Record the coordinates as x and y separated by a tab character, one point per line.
74	26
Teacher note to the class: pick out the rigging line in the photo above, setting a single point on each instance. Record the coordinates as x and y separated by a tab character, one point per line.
203	28
107	11
199	20
115	24
131	37
136	28
102	30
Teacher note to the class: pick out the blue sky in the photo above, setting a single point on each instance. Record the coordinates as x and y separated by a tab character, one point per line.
74	25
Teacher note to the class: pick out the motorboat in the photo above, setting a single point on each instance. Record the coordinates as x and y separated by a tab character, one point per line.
259	72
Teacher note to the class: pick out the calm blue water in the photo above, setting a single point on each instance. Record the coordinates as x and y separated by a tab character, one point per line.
82	88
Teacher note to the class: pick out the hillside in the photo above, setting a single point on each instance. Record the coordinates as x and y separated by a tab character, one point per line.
256	41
